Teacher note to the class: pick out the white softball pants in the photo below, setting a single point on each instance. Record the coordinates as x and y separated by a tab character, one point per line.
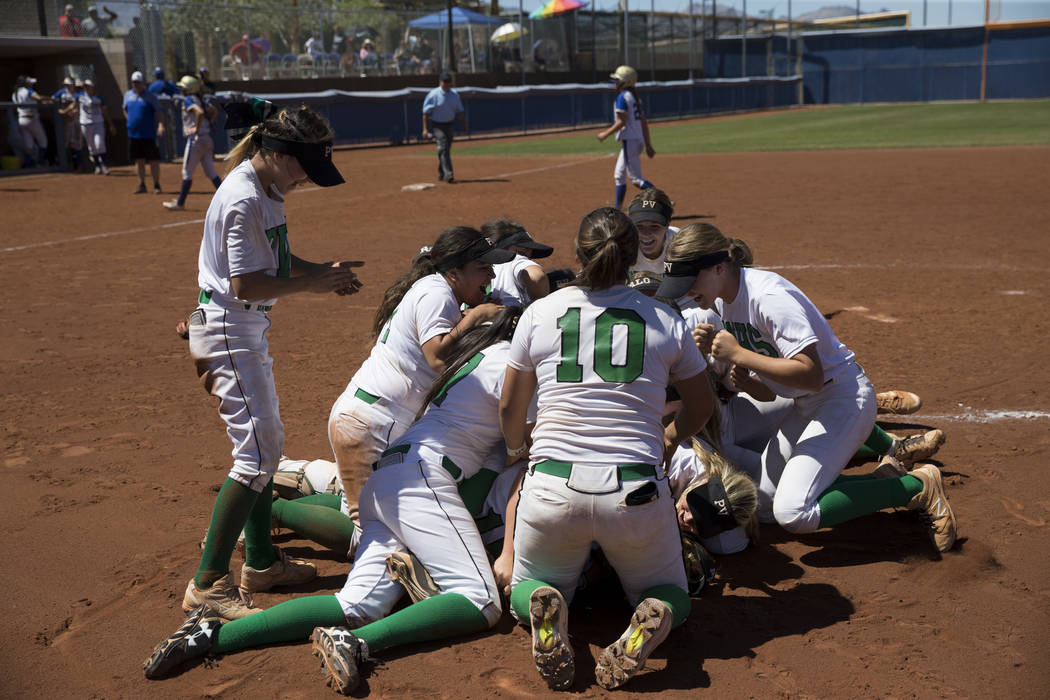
199	149
556	525
95	137
33	135
817	438
233	362
747	426
359	432
629	163
414	504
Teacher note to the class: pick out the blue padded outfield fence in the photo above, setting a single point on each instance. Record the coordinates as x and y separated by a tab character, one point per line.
898	65
396	116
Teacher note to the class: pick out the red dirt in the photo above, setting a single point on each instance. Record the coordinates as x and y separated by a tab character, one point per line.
113	453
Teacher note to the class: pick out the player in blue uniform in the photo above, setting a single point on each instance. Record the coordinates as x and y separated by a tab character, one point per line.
632	131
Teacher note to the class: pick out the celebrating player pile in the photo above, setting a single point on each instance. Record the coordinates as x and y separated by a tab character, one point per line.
583	427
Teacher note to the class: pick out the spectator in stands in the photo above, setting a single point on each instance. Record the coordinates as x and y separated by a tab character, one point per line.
143	114
338	41
425	54
247	57
160	85
407	62
315	47
369	57
207	85
69	25
97	27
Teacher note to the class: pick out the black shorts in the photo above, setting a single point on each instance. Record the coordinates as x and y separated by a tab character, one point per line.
143	149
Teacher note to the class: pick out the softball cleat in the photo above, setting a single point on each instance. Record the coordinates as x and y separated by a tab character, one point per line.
190	642
932	503
406	569
900	403
917	448
341	653
549	617
621	660
284	571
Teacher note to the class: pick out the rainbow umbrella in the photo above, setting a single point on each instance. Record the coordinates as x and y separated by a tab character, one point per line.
556	7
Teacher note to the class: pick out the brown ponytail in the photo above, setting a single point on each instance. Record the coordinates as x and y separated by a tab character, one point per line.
607	245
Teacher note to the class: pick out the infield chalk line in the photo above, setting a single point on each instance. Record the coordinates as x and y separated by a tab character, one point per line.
902	266
109	234
984	416
101	235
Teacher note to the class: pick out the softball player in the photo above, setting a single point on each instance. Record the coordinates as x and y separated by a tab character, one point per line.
196	127
411	502
245	265
776	341
599	356
94	121
67	97
632	131
522	280
29	124
651	211
415	326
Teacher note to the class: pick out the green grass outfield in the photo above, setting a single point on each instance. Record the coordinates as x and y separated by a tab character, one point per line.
851	126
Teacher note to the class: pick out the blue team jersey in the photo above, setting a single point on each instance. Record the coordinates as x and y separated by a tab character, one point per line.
630	111
141	109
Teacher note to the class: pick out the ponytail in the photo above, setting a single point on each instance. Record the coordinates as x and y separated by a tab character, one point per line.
606	245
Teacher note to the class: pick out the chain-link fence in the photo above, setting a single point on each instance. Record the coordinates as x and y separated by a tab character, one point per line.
303	39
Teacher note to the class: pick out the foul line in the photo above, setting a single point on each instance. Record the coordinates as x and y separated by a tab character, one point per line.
985	416
144	229
101	235
917	266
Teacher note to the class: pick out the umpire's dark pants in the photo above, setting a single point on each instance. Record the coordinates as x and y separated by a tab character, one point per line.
443	133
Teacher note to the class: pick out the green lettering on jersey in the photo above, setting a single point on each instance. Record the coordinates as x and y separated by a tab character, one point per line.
751	338
386	328
463	371
570	369
278	238
604	327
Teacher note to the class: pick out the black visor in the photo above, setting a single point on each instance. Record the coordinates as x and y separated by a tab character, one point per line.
315	159
679	275
649	210
481	250
522	238
709	507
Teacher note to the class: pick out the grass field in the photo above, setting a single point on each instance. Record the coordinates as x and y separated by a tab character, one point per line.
850	126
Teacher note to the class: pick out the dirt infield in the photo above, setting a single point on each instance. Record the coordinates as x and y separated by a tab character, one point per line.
931	264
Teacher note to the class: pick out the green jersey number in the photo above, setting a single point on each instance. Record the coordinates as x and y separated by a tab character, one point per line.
278	238
570	369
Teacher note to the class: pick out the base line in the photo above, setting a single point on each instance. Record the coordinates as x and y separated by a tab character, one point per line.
984	416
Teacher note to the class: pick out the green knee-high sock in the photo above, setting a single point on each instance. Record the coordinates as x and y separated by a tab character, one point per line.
322	525
328	500
258	546
846	478
290	621
476	489
519	598
879	443
228	516
444	615
846	500
673	597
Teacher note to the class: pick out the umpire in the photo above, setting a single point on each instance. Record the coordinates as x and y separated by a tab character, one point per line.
441	108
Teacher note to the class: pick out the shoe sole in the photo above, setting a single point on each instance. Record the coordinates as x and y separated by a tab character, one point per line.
925	450
620	661
417	587
337	674
550	649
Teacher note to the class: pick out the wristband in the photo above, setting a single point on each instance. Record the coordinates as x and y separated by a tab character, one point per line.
518	452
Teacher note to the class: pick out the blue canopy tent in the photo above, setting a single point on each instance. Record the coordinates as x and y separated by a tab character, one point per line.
460	18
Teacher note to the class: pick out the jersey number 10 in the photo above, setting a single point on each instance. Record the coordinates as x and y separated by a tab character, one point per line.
570	369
